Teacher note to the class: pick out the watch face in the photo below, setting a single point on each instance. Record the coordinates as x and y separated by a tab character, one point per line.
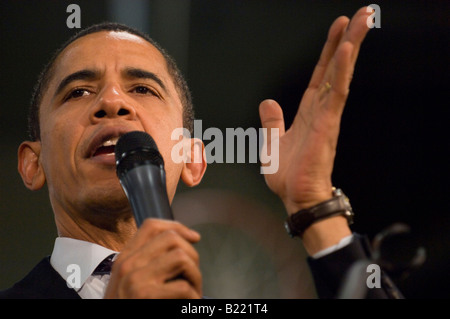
288	229
244	250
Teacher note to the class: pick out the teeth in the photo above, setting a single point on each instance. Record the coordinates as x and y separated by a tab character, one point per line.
111	142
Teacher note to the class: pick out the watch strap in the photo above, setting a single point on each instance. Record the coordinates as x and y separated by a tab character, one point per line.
297	223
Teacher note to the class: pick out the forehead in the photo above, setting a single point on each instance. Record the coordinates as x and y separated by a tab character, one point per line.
109	49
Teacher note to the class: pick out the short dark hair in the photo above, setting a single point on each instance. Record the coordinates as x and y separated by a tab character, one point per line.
46	74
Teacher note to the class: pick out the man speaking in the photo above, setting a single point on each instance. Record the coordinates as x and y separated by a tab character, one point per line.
110	80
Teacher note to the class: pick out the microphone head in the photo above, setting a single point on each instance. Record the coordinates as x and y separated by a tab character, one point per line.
134	149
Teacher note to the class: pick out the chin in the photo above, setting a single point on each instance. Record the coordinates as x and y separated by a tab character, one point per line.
106	209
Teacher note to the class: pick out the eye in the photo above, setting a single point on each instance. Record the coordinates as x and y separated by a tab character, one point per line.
77	93
144	90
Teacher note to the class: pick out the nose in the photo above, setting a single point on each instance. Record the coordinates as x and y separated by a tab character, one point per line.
112	103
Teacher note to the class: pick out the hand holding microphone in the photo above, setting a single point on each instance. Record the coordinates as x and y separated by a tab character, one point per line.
159	261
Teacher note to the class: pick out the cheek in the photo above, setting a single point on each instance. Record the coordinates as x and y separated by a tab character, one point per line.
58	147
162	137
161	125
173	173
161	128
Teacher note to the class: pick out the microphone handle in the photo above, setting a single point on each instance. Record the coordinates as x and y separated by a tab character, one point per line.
145	187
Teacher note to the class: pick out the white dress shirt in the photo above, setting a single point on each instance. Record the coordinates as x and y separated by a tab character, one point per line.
75	260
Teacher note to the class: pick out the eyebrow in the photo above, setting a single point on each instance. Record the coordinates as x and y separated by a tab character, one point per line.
142	74
79	75
87	74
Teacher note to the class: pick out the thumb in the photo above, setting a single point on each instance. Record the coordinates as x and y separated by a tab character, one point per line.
272	121
271	116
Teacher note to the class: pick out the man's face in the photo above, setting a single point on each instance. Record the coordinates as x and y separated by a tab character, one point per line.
104	85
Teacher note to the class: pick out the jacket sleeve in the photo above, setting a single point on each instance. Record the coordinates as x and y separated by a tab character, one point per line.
331	273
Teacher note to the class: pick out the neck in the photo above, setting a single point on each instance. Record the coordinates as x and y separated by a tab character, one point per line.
109	233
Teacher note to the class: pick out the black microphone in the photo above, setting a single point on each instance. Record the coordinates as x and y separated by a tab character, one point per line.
140	168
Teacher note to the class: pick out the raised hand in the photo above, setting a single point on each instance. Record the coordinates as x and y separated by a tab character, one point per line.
307	149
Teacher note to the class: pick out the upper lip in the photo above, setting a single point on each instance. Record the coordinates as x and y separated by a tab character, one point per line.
104	135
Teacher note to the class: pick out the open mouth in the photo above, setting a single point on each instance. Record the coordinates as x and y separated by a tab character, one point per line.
107	148
102	145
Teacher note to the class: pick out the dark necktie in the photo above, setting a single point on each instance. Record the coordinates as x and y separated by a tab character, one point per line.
104	268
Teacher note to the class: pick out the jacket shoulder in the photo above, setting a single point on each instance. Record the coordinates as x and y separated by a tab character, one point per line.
42	282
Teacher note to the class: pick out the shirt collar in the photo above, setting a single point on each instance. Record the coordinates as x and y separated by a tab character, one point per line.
86	255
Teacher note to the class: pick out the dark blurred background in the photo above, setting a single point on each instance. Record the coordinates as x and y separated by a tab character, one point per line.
391	161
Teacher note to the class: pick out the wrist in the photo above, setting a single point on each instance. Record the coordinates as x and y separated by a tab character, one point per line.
293	207
317	218
324	234
317	195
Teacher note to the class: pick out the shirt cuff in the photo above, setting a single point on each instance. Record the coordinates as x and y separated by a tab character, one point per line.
342	243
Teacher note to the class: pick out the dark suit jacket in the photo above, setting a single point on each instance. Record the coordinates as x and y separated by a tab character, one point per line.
328	272
332	272
43	282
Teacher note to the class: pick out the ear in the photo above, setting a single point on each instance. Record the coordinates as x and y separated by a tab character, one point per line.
29	165
195	164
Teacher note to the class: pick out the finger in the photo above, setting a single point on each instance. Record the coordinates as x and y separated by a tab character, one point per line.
156	280
271	116
357	30
342	76
334	36
153	248
272	121
346	55
175	264
354	33
179	265
168	241
151	227
178	289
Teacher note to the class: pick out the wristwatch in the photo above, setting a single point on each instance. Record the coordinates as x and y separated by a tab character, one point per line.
297	223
